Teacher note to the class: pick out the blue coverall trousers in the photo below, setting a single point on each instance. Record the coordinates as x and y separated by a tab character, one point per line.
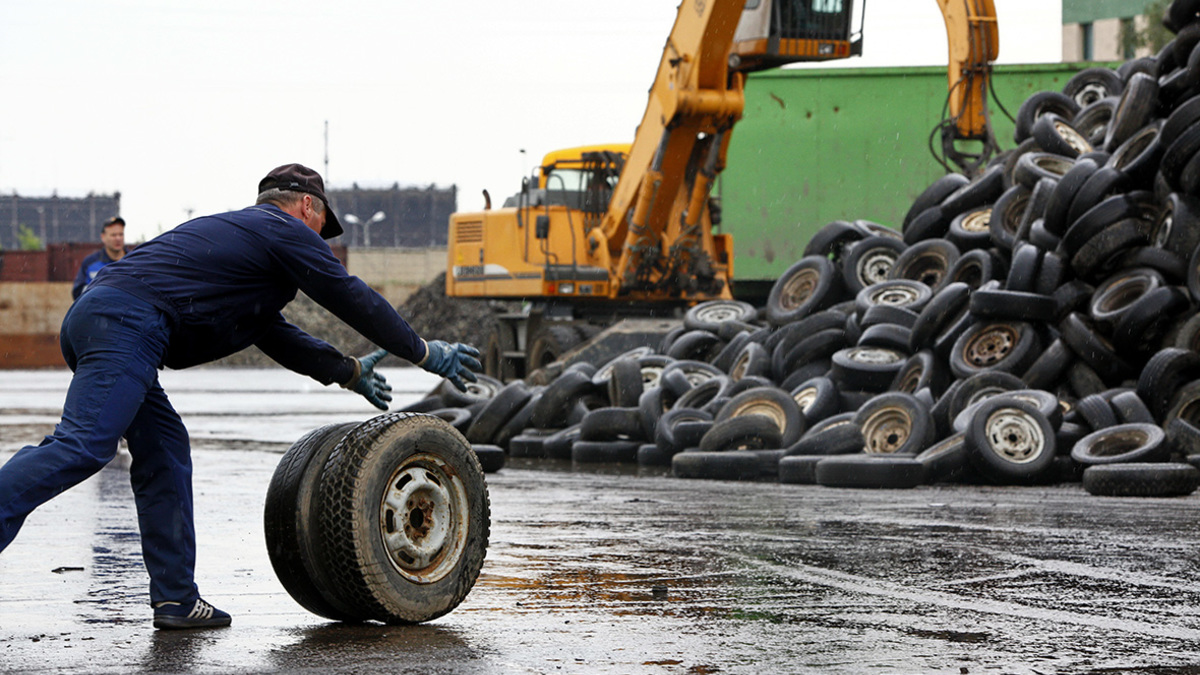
115	342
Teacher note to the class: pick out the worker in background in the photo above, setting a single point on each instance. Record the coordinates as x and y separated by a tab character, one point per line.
112	237
206	289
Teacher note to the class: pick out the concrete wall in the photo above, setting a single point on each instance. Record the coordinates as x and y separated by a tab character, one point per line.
32	311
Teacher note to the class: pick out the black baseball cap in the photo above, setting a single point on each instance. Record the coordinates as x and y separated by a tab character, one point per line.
300	178
115	220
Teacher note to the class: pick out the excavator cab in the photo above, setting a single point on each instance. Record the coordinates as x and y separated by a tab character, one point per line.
772	33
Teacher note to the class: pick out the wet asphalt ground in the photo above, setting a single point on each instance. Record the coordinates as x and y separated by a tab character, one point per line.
612	569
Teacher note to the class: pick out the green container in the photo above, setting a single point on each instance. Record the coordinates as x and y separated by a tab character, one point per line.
815	146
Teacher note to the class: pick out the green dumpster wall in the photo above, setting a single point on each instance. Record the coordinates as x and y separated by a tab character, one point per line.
820	145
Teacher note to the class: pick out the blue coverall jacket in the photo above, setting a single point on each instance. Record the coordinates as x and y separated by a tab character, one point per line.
206	289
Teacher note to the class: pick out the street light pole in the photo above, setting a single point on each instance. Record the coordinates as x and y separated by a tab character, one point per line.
366	224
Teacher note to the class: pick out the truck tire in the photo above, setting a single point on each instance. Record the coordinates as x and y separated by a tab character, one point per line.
289	522
550	343
404	518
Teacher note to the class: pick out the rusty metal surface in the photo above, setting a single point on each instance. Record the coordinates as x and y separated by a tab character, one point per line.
604	569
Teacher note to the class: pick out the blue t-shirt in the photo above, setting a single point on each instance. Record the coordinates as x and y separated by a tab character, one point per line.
88	270
223	280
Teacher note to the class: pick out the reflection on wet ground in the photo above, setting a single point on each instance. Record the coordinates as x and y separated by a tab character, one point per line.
616	570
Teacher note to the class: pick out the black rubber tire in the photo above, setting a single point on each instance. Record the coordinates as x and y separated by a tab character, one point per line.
1059	205
1006	346
886	334
289	522
649	455
1013	305
1055	134
772	403
1122	443
1099	202
1010	442
491	457
869	261
1039	104
814	348
731	465
744	432
459	418
922	370
925	261
1102	253
1094	119
976	388
558	397
870	471
817	398
483	389
499	410
934	195
1184	116
1163	375
753	361
894	423
808	285
625	384
984	188
703	393
903	293
696	372
613	424
558	444
1144	327
1047	404
974	268
1092	347
1023	268
866	368
403	457
835	435
604	452
549	344
949	301
832	239
971	229
710	314
695	345
1141	480
1093	84
1138	102
1130	408
1051	365
1034	166
681	428
1178	153
1116	294
799	469
1139	156
1007	214
945	460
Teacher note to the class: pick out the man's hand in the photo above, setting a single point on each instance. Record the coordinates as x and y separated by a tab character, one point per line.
370	384
452	361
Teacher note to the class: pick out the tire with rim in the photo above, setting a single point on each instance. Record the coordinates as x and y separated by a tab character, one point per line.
709	315
1121	444
404	518
549	344
894	423
772	403
1006	346
869	261
1010	441
809	284
290	523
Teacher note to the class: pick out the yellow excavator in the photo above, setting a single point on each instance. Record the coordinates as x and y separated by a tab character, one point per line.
603	233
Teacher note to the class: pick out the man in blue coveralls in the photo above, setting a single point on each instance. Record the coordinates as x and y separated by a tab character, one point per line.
112	240
206	289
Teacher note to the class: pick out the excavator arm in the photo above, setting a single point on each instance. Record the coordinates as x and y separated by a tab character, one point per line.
974	43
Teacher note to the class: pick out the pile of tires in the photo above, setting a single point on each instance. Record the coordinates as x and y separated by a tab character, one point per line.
1031	324
387	520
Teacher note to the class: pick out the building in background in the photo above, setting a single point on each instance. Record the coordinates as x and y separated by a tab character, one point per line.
1111	30
55	219
412	217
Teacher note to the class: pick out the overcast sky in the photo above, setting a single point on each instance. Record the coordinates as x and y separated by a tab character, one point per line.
183	106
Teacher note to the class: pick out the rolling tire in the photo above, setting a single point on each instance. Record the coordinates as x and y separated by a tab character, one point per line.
290	524
404	518
1141	480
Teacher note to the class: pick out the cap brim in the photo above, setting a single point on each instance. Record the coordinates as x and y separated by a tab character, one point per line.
333	227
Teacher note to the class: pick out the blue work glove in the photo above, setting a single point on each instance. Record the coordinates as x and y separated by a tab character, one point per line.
372	385
452	361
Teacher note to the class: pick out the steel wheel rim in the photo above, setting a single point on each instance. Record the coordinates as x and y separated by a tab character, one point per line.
978	222
717	311
1014	436
805	398
423	519
1072	138
896	296
874	266
799	288
990	346
886	431
764	408
876	355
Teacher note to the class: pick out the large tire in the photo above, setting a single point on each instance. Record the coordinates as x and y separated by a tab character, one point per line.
404	518
730	465
549	344
289	522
